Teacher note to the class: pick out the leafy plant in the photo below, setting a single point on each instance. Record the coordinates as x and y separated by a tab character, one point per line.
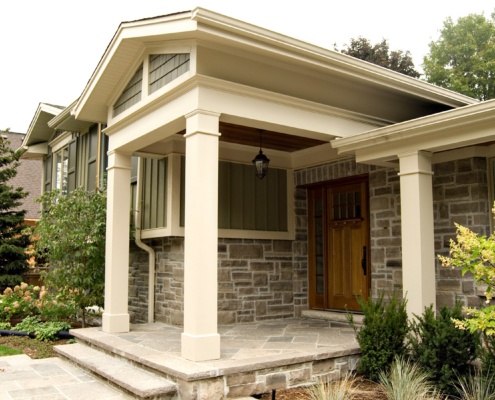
475	254
26	300
382	335
332	390
406	381
71	235
19	302
439	348
43	331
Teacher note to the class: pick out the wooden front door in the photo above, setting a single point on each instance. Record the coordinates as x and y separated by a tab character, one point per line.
338	244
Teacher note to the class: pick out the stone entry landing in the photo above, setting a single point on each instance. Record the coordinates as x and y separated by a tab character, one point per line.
255	358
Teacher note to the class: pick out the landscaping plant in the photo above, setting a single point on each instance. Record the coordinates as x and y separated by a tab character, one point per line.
407	381
332	390
440	349
477	386
71	235
476	254
26	300
382	335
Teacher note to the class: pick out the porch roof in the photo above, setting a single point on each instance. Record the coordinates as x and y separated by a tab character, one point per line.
132	38
453	129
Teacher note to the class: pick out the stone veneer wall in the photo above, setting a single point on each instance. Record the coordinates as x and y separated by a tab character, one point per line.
460	195
257	280
267	279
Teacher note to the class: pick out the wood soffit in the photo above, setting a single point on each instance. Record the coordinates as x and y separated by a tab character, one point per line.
248	136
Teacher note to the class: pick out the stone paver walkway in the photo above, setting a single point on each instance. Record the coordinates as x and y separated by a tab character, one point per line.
22	378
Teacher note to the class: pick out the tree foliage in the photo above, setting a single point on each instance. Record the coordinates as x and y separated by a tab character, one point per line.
463	58
13	241
380	54
71	235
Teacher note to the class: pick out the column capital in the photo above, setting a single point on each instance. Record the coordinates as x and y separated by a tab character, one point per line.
415	162
202	121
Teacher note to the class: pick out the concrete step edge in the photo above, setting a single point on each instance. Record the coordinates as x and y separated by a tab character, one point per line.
143	384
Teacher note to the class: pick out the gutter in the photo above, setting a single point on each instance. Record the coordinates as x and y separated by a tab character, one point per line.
145	247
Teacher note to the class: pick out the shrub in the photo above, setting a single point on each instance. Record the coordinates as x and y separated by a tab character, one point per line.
382	335
19	302
26	300
439	348
71	235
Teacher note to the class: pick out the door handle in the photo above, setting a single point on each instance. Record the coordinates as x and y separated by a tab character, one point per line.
364	261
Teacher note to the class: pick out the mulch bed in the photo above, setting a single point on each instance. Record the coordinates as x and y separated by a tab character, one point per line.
363	390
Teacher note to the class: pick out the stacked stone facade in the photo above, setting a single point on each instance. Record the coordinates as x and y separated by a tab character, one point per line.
267	279
460	195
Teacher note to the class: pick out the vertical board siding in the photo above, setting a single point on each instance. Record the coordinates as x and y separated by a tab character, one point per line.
71	165
154	199
164	68
245	202
131	94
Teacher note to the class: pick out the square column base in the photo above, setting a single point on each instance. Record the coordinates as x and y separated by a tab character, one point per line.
115	323
200	347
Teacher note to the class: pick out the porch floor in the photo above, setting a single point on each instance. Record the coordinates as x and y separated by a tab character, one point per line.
255	357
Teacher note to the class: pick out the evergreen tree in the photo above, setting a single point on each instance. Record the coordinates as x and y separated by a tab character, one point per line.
13	242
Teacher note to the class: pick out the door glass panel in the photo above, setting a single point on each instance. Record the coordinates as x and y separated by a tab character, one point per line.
318	223
346	205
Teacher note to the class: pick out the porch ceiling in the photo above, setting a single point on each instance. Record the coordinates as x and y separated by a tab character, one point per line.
248	136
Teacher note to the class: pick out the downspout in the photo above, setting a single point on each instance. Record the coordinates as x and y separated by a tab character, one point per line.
145	247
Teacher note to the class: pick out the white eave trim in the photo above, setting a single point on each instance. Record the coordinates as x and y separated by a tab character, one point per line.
418	128
201	23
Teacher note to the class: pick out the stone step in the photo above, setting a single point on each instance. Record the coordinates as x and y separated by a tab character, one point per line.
338	319
131	378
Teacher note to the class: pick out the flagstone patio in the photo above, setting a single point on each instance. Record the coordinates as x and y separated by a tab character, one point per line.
255	358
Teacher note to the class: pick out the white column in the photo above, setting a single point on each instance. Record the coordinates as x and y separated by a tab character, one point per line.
418	242
116	316
200	339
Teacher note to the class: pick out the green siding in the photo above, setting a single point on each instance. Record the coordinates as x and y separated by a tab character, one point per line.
131	93
154	199
245	202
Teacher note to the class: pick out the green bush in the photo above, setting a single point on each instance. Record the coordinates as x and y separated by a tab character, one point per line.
44	331
27	300
440	348
382	336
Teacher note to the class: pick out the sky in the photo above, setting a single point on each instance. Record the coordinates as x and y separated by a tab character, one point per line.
50	48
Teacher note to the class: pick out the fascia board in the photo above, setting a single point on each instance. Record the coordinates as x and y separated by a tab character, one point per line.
200	23
39	130
329	59
421	130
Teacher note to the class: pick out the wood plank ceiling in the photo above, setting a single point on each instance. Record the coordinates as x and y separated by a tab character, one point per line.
248	136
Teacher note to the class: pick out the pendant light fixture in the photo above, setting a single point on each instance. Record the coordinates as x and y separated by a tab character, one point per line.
261	161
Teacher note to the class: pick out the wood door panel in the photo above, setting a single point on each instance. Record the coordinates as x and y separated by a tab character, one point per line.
343	212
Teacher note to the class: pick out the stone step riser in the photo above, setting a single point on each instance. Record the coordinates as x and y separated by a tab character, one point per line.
129	378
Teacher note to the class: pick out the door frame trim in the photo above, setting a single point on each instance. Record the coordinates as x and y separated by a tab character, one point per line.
323	185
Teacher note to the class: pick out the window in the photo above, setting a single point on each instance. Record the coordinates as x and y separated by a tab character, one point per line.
60	170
